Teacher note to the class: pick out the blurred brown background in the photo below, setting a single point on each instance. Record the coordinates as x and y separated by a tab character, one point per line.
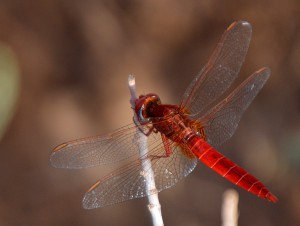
64	67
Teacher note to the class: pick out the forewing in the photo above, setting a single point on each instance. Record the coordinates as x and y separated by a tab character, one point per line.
129	182
221	121
221	70
93	151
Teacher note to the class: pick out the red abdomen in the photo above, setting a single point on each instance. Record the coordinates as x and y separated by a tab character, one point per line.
228	169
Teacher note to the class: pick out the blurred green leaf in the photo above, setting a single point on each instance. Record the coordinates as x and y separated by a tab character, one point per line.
9	85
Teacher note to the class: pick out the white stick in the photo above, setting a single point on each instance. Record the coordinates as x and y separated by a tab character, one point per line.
230	213
154	205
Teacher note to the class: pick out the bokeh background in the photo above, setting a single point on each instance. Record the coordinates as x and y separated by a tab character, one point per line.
63	75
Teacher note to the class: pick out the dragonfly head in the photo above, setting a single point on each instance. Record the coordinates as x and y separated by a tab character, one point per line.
145	105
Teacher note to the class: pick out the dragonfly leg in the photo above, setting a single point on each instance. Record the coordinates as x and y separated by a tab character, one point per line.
167	147
142	129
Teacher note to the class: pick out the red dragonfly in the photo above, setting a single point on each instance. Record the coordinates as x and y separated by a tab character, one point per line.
178	135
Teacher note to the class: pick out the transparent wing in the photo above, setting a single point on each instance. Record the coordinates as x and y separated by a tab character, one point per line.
129	182
93	151
221	70
221	121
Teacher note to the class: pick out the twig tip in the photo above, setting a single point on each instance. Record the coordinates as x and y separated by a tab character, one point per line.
131	80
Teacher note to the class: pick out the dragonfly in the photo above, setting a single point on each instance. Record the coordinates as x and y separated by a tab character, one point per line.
178	136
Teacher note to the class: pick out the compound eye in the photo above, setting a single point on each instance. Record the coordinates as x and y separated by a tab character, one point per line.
141	117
